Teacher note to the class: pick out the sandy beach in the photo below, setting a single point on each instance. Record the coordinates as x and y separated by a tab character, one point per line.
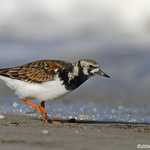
22	133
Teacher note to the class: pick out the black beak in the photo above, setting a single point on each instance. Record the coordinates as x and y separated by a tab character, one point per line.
106	75
103	74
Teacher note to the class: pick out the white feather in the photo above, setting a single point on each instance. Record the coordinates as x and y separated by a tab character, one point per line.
44	91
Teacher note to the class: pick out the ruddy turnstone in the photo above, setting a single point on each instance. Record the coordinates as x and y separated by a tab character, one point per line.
48	79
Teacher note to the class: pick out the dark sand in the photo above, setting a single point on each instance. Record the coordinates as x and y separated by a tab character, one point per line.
26	133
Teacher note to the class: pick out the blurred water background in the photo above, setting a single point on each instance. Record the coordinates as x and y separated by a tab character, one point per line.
115	33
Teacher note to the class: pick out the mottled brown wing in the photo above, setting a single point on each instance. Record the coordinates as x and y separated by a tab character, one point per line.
38	71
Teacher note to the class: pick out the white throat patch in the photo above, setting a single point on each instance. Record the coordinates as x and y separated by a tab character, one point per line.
85	71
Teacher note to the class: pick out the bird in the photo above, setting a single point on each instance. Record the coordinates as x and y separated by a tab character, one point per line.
48	79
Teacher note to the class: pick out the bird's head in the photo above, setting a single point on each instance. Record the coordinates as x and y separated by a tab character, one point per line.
91	68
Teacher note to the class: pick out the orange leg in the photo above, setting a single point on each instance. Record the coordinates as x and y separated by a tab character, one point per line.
43	112
40	108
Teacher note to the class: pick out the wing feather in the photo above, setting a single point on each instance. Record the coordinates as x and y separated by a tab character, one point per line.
38	71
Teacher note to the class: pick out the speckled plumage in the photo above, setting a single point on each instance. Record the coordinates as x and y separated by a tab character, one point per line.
37	71
48	80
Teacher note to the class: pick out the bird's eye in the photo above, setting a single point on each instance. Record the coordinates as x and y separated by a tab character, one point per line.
92	67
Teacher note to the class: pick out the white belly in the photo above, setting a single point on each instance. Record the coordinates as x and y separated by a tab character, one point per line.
45	91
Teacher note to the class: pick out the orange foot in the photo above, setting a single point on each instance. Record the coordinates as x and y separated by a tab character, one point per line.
39	108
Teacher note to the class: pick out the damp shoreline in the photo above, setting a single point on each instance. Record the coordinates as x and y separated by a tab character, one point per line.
22	132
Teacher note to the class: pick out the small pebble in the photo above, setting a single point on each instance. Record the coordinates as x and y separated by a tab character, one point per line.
2	117
45	131
77	131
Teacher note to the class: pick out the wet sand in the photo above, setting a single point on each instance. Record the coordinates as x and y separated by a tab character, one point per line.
22	133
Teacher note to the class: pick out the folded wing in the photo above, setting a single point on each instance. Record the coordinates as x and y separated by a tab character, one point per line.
38	71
